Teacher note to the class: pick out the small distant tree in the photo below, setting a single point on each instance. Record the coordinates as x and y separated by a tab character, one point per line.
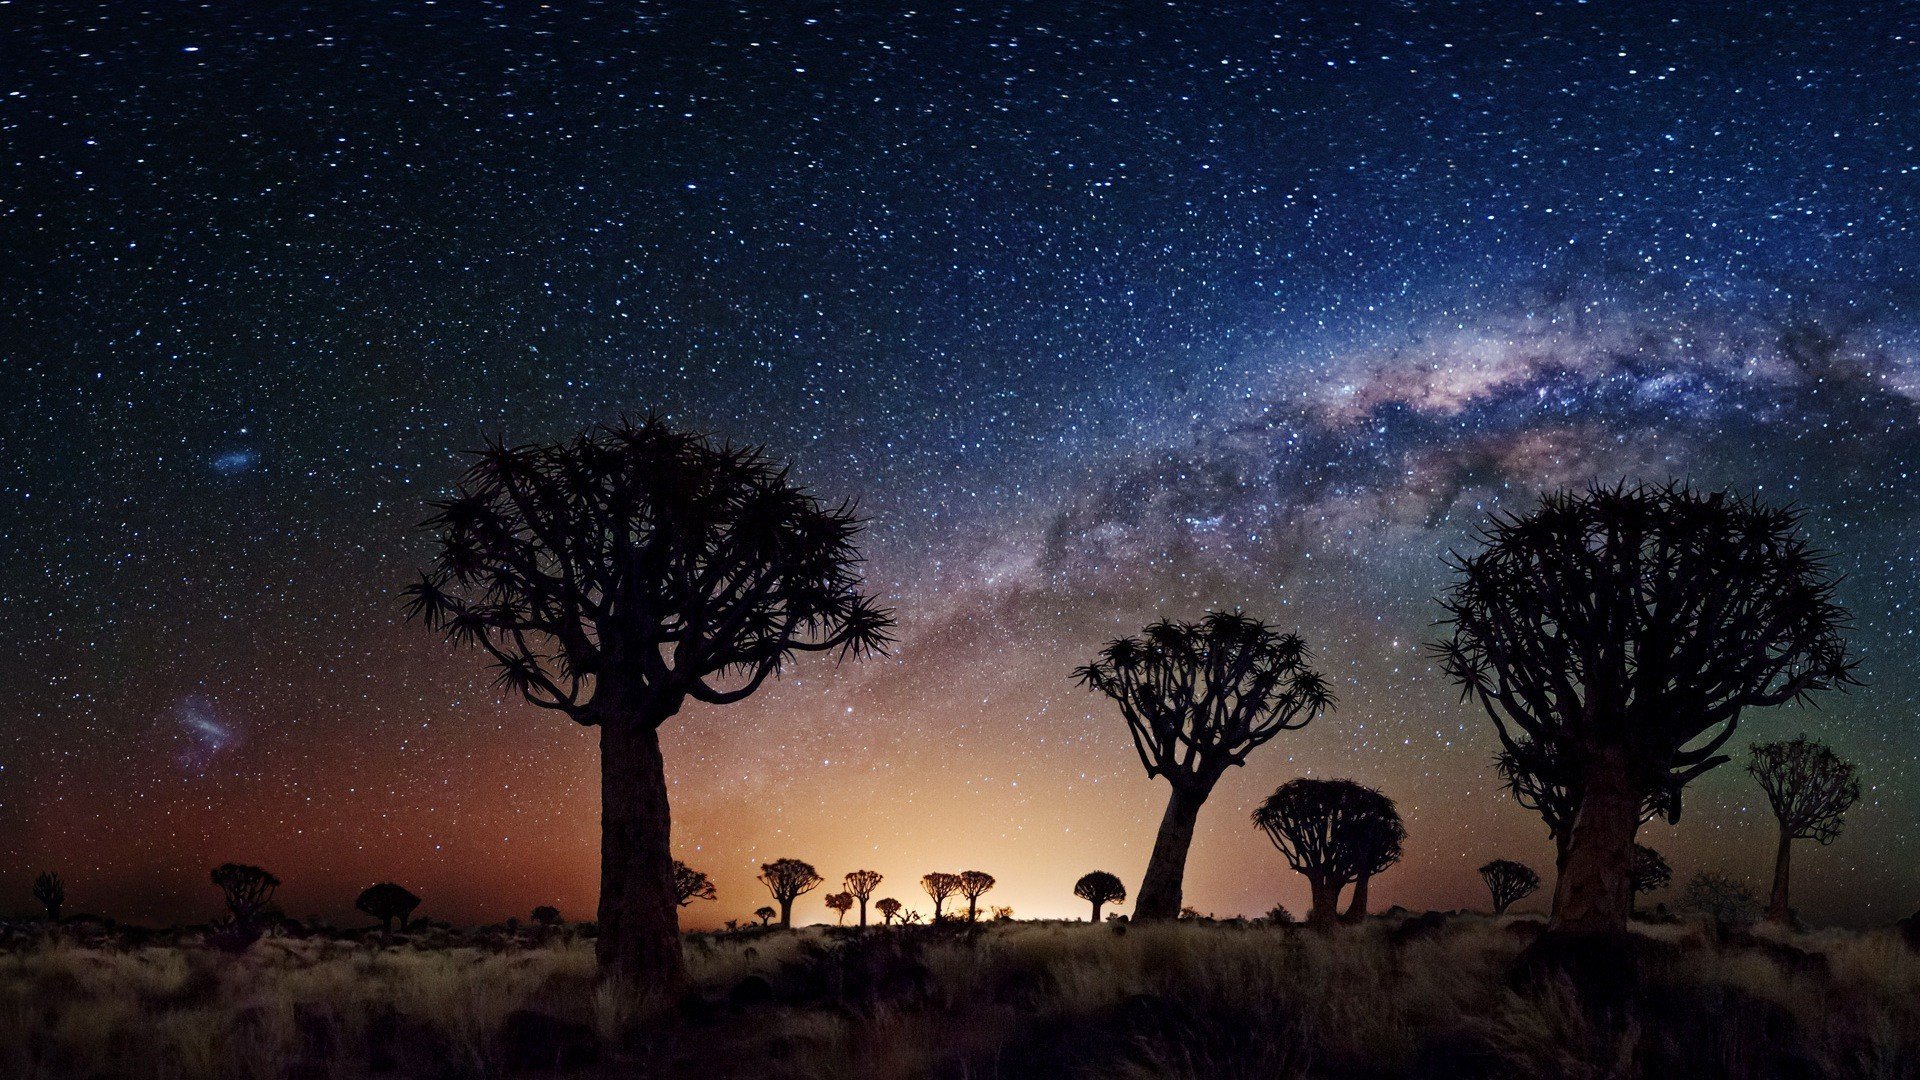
862	883
1509	882
1620	633
1647	871
910	917
787	880
888	907
1321	827
1724	900
690	885
387	902
840	903
973	885
1198	698
1377	835
939	886
1810	789
1278	915
764	914
1002	913
1099	888
618	575
51	894
246	890
546	915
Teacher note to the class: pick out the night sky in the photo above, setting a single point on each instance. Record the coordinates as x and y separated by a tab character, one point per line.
1103	317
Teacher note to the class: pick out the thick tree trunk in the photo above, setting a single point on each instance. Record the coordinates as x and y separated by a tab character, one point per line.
639	937
786	911
863	912
1326	902
973	907
1357	907
1096	912
1595	890
1167	868
1782	862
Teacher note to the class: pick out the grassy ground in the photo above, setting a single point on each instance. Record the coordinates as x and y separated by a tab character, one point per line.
1219	1001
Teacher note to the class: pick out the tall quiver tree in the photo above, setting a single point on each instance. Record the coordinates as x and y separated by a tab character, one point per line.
614	577
1321	826
1620	632
861	884
787	880
1810	789
1099	888
1508	883
1198	698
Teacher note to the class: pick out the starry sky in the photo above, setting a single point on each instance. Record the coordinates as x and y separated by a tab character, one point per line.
1102	315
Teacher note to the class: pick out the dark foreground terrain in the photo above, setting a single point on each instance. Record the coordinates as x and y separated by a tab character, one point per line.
1428	996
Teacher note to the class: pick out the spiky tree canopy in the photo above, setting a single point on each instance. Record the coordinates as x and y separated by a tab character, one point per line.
975	883
245	889
888	907
1808	785
764	914
387	901
789	878
50	892
690	884
1329	830
841	903
1639	619
940	885
1649	869
1100	887
861	883
644	560
1199	697
1509	882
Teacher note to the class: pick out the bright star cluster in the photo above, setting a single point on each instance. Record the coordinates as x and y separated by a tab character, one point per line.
1101	313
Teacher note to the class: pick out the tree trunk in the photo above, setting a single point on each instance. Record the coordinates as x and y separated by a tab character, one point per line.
1357	907
1096	912
1326	902
786	911
973	907
1595	890
937	902
1560	840
1777	902
863	913
639	937
1166	869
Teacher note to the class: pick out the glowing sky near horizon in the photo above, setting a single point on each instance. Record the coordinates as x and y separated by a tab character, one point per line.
1101	318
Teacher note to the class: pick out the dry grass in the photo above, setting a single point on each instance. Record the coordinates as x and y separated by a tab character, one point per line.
1013	1000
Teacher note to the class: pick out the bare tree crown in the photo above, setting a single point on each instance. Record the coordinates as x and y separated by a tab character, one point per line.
1808	785
644	560
690	885
1100	887
789	878
1199	697
1641	618
1332	830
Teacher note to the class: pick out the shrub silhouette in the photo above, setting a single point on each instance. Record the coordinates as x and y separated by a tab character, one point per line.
1609	630
788	879
1198	698
690	885
246	890
1099	888
939	886
888	907
973	885
1647	871
1327	830
387	902
1278	915
546	915
1810	789
617	575
764	914
861	884
50	893
841	903
1509	882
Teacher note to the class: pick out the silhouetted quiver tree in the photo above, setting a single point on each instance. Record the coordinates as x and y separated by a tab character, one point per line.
861	884
387	902
788	879
888	908
973	885
1647	871
1323	827
616	576
1377	835
246	890
1509	883
50	893
546	915
840	903
1198	698
764	914
1810	789
1619	633
690	885
939	886
1099	888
